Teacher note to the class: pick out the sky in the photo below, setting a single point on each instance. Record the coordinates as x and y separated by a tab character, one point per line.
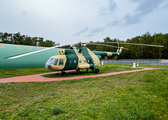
71	21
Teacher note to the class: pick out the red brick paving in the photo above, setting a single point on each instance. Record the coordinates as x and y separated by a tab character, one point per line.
39	78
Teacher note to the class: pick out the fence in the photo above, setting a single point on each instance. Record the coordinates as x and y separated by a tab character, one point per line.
140	61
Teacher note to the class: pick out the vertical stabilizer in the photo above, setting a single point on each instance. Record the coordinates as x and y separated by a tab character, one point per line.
119	50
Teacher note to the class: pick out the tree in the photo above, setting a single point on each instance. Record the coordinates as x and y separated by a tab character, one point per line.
41	41
147	50
141	50
48	43
159	39
1	36
28	41
109	49
34	41
20	40
66	46
5	37
91	47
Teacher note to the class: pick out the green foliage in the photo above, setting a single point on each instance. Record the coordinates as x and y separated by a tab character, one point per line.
91	47
138	52
115	57
66	46
4	73
144	52
24	40
57	110
135	52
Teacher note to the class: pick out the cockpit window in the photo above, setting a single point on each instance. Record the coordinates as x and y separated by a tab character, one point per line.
55	62
50	60
61	62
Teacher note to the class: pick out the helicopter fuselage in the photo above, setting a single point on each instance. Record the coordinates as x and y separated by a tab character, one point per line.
74	58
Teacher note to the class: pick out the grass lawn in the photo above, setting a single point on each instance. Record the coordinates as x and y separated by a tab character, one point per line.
4	73
140	95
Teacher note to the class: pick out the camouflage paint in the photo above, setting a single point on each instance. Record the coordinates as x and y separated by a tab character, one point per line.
73	59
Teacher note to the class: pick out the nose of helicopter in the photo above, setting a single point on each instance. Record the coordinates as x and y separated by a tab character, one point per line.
48	66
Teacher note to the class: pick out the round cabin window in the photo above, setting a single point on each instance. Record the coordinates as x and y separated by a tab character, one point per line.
79	50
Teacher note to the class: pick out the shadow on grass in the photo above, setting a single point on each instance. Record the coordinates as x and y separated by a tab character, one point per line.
103	69
70	74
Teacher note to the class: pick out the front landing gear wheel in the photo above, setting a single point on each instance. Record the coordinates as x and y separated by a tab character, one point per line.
97	70
93	70
63	73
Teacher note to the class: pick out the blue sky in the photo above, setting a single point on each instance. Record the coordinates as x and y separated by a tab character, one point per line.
71	21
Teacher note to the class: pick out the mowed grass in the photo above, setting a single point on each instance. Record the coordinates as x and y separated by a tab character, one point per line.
102	69
4	73
140	95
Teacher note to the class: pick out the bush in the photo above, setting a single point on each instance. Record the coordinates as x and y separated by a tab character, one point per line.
115	57
57	110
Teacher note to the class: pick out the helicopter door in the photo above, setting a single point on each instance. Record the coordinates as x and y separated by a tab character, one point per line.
90	62
61	62
73	63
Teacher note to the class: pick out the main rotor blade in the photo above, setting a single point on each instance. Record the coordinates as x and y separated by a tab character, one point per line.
105	45
33	52
62	45
135	44
25	54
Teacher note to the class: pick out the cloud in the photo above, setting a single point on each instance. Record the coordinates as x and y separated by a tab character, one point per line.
96	30
133	0
114	23
145	7
132	19
90	35
81	31
112	6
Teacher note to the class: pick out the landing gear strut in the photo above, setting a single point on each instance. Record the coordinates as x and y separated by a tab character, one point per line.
63	73
95	70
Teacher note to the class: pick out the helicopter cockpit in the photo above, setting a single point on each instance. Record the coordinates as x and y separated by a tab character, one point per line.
52	61
55	63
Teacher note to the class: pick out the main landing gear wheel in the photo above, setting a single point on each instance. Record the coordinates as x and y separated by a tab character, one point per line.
97	70
63	73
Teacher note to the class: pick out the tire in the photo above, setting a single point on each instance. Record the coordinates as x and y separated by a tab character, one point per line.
97	70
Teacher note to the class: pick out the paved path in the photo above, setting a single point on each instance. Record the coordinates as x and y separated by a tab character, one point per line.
39	78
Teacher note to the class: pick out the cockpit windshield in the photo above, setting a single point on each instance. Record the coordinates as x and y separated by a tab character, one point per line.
55	62
50	61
